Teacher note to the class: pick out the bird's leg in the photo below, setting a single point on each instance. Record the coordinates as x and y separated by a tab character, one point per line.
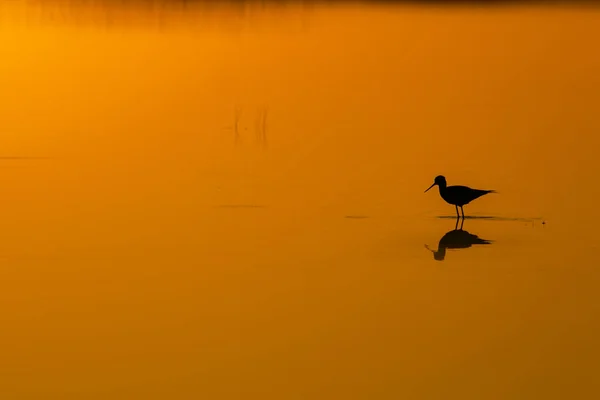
462	221
463	212
457	215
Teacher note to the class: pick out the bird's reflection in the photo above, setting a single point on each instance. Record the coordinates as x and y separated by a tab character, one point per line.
456	239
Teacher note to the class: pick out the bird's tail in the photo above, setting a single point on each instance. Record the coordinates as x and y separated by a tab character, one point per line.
491	191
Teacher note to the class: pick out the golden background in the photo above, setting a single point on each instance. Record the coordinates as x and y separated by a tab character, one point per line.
150	249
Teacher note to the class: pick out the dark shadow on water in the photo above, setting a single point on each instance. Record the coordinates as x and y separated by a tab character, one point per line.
240	206
455	239
491	218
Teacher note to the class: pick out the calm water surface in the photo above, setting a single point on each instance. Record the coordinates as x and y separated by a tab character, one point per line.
226	202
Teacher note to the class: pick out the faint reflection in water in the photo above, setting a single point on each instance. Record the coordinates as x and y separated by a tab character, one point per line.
260	126
456	239
234	15
23	158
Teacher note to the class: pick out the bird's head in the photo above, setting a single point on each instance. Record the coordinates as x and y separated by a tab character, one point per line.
439	180
438	254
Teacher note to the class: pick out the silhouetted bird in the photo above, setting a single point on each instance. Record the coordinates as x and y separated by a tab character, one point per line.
458	196
456	239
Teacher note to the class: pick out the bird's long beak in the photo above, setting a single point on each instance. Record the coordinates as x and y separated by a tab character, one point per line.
429	187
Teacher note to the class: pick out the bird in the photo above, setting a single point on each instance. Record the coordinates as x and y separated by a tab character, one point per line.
458	196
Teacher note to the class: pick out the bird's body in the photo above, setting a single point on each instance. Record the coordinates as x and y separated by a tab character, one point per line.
458	196
461	195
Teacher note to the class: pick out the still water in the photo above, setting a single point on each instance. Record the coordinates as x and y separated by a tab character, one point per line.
205	201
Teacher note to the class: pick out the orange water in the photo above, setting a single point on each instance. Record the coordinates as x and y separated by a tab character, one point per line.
226	202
